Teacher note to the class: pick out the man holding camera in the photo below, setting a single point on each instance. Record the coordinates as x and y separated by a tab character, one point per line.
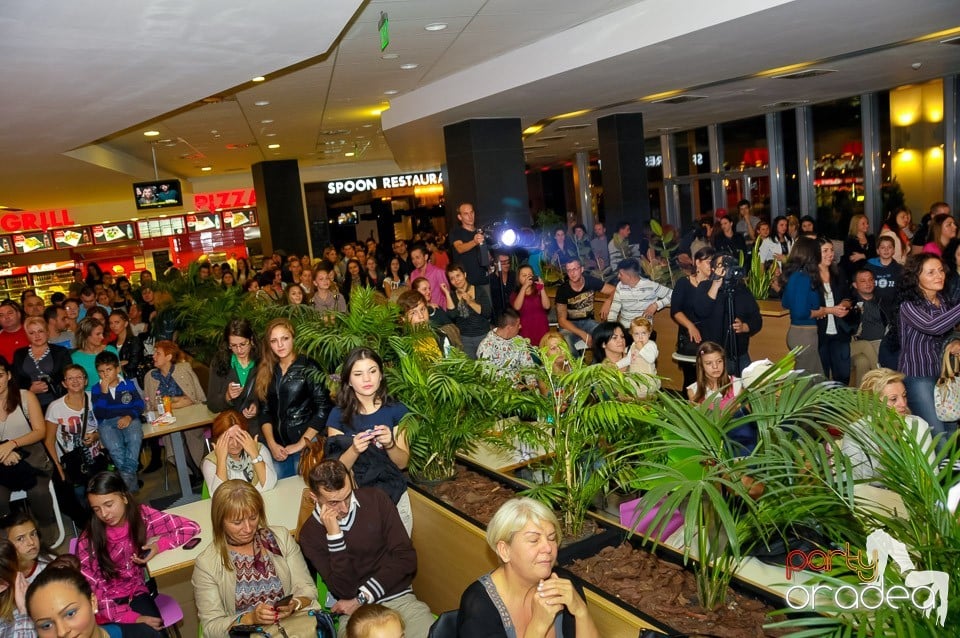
470	248
726	311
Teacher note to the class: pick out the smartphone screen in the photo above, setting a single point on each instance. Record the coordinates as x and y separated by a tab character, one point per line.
283	602
193	542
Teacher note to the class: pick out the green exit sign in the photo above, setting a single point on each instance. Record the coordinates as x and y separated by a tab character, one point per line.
384	27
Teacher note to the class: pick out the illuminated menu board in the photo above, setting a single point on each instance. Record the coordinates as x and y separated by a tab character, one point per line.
31	242
164	227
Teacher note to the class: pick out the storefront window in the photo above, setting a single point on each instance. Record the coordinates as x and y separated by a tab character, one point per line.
745	144
693	154
838	176
916	148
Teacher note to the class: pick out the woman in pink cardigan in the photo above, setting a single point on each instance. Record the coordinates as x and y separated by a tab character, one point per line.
118	542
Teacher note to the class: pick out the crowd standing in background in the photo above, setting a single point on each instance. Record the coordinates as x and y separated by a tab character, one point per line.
79	371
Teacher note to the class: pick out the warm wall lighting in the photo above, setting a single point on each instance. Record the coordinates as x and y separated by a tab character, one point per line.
905	155
572	114
430	189
533	130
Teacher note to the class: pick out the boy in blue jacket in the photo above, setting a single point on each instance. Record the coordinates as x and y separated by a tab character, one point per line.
117	404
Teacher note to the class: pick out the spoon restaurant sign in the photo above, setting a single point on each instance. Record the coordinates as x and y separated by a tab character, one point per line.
366	184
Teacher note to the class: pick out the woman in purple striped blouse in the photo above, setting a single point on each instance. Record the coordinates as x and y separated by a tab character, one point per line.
926	317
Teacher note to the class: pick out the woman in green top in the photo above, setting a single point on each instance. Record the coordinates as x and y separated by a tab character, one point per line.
90	342
231	384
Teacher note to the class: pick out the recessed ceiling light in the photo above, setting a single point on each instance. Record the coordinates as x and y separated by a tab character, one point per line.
349	154
151	133
261	103
389	56
206	168
391	92
271	134
266	121
408	66
273	146
259	78
436	26
367	125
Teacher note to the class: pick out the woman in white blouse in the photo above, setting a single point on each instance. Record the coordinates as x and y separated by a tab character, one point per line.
237	455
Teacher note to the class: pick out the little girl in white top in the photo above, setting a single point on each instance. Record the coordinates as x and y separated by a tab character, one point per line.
643	353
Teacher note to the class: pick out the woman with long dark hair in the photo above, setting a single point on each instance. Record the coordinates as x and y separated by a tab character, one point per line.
682	309
233	373
24	464
91	341
129	347
925	318
777	246
800	279
530	300
14	620
833	333
362	430
610	344
119	540
293	391
33	553
943	229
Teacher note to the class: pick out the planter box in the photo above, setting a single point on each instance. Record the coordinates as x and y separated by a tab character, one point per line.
452	553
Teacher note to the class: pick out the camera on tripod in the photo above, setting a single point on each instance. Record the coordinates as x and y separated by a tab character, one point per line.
733	270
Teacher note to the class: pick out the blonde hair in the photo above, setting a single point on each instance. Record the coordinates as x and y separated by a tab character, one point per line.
234	498
366	617
854	225
514	515
641	322
876	380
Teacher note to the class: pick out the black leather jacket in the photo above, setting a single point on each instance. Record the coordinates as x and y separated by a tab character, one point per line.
297	400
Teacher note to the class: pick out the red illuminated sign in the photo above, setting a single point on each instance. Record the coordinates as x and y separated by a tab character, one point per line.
239	198
35	220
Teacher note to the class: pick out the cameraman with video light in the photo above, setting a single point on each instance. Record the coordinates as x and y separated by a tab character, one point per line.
726	311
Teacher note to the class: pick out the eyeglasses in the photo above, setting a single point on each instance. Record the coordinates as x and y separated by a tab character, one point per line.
239	346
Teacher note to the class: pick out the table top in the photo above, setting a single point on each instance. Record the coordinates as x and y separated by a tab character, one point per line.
192	416
282	505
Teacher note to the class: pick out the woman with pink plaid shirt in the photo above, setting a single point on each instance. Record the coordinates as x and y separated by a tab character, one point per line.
120	539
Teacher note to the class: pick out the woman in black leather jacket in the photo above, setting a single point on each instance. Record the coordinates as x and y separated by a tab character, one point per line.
293	392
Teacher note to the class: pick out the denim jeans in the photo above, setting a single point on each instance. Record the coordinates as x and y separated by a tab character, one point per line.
124	447
287	467
920	400
587	325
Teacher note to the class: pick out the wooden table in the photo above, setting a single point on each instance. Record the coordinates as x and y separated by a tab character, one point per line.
192	416
282	505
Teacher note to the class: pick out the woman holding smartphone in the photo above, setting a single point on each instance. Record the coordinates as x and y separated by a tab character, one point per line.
233	373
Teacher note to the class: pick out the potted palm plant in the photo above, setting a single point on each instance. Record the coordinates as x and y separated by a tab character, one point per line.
926	527
454	404
583	419
732	501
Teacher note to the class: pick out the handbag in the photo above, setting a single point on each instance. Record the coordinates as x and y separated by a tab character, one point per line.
79	464
946	394
306	623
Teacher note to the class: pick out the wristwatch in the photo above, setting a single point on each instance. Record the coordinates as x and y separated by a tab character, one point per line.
362	598
259	459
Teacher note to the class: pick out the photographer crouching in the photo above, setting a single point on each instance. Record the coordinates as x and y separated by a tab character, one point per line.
726	311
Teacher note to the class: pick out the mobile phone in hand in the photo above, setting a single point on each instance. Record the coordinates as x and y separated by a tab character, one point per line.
193	542
143	554
283	602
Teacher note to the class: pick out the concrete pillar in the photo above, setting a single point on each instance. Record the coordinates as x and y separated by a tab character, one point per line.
283	219
624	170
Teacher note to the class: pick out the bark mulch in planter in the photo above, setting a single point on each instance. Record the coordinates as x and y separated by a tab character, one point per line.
664	590
479	497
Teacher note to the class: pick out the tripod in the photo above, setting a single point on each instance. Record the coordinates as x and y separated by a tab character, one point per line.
731	343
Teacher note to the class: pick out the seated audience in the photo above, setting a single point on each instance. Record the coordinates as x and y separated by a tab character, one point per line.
14	621
33	554
249	567
506	351
524	596
119	540
356	541
23	464
634	296
375	621
575	305
39	366
90	343
133	361
117	405
232	373
530	300
713	381
610	345
362	430
237	455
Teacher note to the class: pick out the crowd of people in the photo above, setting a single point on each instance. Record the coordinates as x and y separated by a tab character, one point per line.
79	372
